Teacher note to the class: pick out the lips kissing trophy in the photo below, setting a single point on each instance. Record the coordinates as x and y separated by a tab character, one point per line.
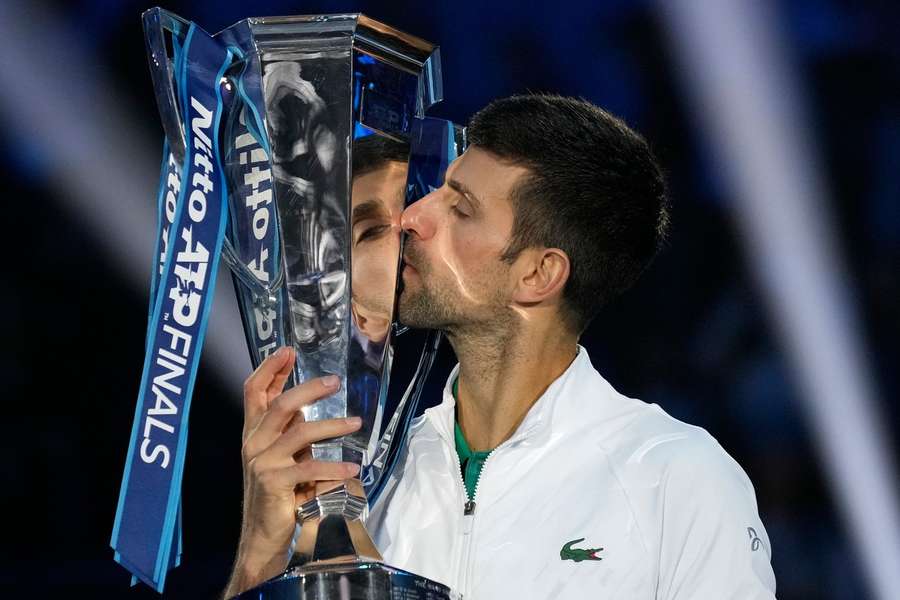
273	129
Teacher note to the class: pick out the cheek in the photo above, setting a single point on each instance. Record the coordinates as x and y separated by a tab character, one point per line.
479	239
476	256
374	267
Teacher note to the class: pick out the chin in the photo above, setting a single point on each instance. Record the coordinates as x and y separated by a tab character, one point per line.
413	318
422	308
406	319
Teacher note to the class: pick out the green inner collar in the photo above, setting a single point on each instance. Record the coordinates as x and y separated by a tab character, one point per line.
470	462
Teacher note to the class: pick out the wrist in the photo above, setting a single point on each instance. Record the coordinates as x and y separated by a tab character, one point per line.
255	564
243	577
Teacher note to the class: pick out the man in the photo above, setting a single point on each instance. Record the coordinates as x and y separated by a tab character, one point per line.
533	478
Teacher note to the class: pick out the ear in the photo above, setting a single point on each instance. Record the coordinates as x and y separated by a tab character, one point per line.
543	275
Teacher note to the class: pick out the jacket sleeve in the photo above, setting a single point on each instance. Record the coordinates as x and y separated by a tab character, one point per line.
713	544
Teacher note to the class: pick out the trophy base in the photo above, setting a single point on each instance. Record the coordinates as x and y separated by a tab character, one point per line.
353	581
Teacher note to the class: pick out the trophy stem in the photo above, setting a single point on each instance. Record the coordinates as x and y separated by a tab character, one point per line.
332	530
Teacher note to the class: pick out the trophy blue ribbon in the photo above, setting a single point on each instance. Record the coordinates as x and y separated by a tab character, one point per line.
193	214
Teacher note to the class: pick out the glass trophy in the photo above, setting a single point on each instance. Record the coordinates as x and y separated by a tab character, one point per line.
323	142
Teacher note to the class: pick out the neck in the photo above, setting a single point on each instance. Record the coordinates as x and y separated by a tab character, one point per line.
502	374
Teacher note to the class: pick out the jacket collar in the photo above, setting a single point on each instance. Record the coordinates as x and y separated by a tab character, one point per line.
536	425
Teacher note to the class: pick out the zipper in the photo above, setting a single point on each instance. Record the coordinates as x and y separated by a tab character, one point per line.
468	518
469	506
469	510
469	522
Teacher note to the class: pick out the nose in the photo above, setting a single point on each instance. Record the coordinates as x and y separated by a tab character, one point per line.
419	217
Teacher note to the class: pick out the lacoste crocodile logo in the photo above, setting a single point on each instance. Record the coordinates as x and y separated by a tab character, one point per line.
578	554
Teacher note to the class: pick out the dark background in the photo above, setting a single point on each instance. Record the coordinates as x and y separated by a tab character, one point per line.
695	335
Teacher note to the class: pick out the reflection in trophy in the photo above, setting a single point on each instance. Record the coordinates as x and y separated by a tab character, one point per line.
377	198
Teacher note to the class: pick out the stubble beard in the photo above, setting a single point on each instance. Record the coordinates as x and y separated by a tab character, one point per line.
482	332
432	302
436	304
426	307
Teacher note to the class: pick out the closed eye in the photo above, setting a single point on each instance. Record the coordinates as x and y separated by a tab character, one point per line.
459	213
372	233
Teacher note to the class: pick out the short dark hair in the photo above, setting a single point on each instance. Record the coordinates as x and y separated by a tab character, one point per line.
374	151
594	190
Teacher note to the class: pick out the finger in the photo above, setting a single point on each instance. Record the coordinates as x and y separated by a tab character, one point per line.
301	435
256	386
275	388
315	470
281	377
283	408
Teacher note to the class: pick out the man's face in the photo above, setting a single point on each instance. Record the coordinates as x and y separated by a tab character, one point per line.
376	204
453	273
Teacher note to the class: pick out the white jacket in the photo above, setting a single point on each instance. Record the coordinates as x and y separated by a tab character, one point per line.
673	514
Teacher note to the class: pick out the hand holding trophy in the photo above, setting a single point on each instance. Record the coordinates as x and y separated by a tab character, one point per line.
275	482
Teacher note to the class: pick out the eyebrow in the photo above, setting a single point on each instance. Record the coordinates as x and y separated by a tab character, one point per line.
458	187
369	209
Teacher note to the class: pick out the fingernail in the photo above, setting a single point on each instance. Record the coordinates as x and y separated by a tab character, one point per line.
281	352
331	381
352	469
353	421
